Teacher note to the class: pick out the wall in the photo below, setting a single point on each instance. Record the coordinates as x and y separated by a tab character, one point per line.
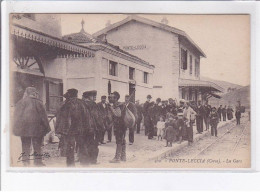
152	45
79	73
185	74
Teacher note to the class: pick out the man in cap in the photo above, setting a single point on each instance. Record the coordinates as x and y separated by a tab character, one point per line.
219	112
147	119
118	111
207	109
107	118
131	106
94	137
73	125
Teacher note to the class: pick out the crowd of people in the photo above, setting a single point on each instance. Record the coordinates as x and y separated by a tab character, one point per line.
81	123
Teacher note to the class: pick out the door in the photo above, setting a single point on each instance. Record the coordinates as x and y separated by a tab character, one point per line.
132	92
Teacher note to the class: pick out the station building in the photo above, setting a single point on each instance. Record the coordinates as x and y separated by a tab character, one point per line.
41	57
174	54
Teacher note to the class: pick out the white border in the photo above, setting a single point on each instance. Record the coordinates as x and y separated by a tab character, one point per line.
108	180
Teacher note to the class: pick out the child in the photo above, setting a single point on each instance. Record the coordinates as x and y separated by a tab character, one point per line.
214	121
160	127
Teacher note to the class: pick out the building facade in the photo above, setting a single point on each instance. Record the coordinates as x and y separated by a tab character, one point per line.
175	56
42	58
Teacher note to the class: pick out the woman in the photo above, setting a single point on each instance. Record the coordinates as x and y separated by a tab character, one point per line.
31	124
229	113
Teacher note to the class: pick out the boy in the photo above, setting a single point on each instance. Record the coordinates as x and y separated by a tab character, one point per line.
214	119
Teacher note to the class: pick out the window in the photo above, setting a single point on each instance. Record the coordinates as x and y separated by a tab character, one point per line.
197	68
184	59
112	68
190	64
145	77
131	73
54	91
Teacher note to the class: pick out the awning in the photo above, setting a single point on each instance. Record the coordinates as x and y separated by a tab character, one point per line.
206	85
51	41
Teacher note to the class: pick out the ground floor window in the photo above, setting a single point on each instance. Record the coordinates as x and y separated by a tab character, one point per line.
54	92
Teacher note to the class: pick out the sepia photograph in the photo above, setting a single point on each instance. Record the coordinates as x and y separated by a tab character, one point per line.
129	91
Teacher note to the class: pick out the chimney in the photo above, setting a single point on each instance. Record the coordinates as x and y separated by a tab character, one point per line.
164	20
108	23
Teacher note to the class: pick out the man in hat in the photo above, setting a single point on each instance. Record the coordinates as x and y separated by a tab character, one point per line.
224	113
199	117
31	125
172	107
147	120
219	112
131	106
73	124
94	137
107	118
139	116
214	119
118	111
207	109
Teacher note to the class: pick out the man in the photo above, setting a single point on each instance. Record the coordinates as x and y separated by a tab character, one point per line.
187	114
214	122
238	115
219	112
207	109
94	138
106	116
132	108
31	124
199	117
151	120
139	116
118	111
147	122
224	113
73	125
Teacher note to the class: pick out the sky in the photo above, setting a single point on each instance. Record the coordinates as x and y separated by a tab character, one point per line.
225	39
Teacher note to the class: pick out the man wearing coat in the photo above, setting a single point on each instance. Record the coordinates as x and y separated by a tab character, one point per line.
94	138
73	125
219	112
199	117
147	120
224	113
139	116
131	106
207	109
31	124
107	118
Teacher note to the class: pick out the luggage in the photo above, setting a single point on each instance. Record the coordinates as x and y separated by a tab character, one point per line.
129	118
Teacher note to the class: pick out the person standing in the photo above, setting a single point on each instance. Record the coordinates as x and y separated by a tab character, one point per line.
118	111
199	117
160	127
139	116
224	113
151	119
187	114
104	111
31	124
147	119
238	115
131	106
214	119
207	109
95	137
219	112
72	126
229	113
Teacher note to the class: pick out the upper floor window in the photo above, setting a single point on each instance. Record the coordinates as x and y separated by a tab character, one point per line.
197	68
113	67
184	57
131	73
145	77
190	64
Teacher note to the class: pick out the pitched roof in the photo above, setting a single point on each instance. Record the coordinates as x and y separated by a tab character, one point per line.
151	23
80	37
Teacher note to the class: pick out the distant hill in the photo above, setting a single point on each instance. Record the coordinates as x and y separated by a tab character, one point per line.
231	98
225	85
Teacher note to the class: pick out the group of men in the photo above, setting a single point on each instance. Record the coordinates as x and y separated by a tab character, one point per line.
81	123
